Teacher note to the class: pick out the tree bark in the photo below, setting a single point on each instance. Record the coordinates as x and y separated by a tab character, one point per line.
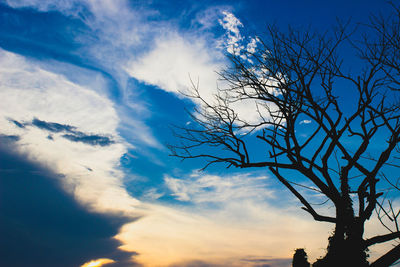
346	246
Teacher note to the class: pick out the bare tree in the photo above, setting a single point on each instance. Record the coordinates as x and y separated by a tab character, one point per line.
350	151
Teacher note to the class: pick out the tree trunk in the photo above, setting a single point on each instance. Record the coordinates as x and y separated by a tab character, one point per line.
346	245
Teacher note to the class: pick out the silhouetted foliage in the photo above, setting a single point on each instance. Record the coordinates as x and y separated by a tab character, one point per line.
298	77
300	258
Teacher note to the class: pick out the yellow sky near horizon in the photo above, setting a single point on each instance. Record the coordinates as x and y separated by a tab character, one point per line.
171	237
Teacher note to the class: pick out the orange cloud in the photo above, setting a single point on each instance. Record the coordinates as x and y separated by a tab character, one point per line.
98	262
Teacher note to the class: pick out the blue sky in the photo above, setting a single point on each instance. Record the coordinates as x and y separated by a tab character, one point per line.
89	91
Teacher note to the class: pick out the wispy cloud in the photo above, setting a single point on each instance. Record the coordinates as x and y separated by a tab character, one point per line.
70	132
51	126
205	188
70	7
89	139
208	17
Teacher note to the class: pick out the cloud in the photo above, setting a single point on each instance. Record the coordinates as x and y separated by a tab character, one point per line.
17	123
252	45
305	122
89	139
234	38
70	7
51	97
8	138
98	263
50	126
72	133
203	188
52	103
152	194
208	17
231	23
174	61
41	225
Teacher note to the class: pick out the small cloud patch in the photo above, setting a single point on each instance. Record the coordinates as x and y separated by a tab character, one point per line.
305	122
52	126
17	123
204	188
9	138
70	132
94	140
98	263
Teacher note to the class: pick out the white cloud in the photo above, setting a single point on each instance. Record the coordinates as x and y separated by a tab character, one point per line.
204	188
175	60
208	17
305	122
152	194
120	30
72	7
91	172
252	45
232	24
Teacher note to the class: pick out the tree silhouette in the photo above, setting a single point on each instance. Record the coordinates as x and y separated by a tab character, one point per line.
297	78
300	258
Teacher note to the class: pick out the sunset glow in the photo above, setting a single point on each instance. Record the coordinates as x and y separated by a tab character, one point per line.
97	263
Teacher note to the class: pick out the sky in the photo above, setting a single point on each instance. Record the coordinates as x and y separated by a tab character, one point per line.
89	90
